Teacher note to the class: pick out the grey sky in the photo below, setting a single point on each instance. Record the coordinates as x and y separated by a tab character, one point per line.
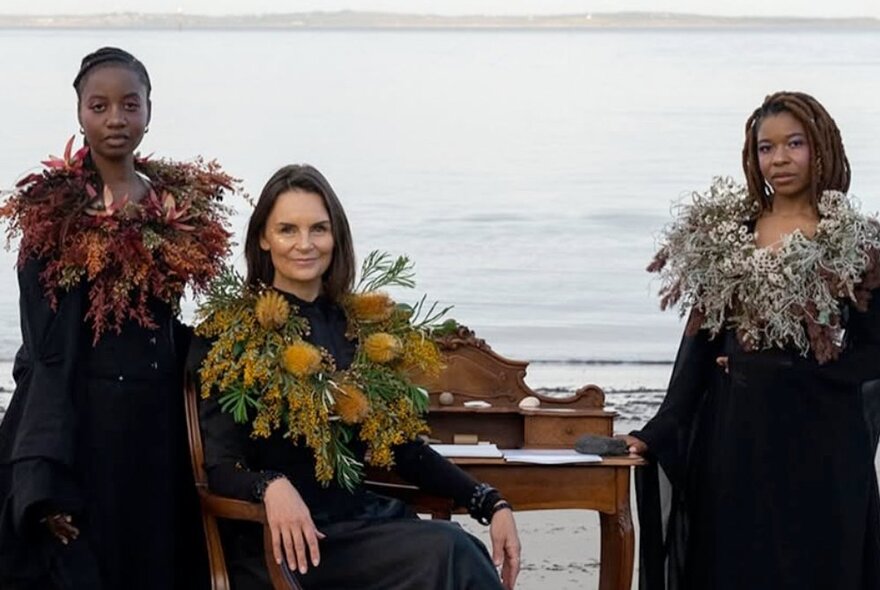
837	8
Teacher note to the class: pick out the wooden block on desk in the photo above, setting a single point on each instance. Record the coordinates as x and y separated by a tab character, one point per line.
465	439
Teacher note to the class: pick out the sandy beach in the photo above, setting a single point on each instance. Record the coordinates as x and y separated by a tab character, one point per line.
560	548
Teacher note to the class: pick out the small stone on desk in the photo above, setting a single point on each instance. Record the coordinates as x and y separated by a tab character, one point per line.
594	444
446	399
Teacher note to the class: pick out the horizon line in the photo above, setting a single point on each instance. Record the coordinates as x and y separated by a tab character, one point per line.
587	14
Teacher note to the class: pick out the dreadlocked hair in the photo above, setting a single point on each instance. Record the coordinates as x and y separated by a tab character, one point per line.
829	166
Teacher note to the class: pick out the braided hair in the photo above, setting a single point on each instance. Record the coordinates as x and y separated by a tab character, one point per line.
829	166
110	56
103	57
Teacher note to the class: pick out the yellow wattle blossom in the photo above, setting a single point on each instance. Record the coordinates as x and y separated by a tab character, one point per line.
272	310
374	306
262	427
421	354
382	457
267	374
352	405
301	359
382	347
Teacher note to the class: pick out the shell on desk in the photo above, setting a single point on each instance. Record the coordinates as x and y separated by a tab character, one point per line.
446	399
476	404
529	402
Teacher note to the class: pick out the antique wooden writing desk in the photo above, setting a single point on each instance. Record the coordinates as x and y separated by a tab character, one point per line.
474	372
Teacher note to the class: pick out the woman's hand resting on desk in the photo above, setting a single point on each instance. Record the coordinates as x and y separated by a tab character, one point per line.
634	445
505	546
292	527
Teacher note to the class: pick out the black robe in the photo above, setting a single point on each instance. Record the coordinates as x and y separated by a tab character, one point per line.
97	431
414	554
771	467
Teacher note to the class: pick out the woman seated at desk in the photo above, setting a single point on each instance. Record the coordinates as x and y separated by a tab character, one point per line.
299	444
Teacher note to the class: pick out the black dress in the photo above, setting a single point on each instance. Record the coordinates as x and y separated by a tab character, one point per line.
372	542
771	468
98	432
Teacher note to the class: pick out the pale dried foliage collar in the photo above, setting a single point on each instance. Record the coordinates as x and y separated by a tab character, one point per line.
790	297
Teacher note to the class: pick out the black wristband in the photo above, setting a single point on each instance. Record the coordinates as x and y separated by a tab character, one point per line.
266	477
501	505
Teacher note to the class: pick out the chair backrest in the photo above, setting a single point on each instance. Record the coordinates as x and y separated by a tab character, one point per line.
194	432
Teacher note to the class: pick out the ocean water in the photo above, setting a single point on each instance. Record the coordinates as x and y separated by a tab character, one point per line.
527	173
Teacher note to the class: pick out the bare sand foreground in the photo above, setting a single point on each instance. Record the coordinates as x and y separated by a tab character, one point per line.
560	549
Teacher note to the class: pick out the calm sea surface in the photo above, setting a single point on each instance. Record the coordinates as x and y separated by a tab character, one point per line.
527	173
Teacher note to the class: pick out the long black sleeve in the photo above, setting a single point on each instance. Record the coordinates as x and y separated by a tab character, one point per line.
224	440
42	427
667	433
422	466
858	363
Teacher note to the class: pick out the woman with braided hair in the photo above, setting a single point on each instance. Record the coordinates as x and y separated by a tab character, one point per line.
95	486
762	434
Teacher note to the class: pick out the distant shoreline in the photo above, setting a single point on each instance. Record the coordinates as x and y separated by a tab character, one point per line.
343	20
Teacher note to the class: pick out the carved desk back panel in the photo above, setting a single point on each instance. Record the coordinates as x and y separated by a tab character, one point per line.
474	372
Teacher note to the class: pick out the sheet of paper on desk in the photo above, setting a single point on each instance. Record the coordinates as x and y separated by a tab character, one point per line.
548	456
486	451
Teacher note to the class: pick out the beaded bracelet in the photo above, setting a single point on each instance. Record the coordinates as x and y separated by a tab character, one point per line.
482	503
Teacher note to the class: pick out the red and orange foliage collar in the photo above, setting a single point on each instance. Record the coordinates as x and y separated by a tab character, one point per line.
126	253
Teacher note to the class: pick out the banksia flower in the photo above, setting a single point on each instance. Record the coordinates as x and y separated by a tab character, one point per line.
351	404
371	307
382	347
272	310
301	359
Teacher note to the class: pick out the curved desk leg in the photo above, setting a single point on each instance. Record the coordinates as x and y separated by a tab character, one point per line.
618	539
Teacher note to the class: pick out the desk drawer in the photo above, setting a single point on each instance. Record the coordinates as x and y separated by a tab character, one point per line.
562	431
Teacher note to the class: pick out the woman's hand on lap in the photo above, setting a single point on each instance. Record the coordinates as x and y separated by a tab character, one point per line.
290	522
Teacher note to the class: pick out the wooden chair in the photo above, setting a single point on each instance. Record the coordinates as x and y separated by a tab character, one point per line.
215	506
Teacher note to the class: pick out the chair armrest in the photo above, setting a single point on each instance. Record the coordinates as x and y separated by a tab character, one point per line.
231	508
214	506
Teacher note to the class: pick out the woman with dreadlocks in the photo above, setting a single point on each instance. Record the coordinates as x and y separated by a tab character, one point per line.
93	464
762	433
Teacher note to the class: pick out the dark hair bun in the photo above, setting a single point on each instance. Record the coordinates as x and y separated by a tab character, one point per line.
111	55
